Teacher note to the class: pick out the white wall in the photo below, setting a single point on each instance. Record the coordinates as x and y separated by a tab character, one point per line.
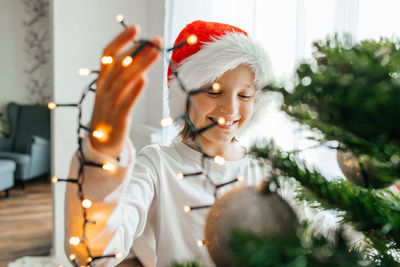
149	112
81	30
12	87
7	51
154	99
18	51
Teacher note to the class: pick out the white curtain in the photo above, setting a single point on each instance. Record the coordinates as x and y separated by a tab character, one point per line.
287	29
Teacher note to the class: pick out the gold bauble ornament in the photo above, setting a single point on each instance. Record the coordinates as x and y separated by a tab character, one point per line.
256	210
350	167
362	173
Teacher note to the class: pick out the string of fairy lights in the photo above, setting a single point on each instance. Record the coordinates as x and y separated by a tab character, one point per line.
101	133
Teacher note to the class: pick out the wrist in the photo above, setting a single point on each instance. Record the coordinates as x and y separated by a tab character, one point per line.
101	148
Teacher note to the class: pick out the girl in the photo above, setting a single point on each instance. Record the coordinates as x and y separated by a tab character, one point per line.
144	197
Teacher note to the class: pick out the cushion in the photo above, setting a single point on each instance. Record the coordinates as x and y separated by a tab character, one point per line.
32	120
7	166
19	158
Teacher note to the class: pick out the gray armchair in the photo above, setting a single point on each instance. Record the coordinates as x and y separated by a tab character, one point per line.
29	142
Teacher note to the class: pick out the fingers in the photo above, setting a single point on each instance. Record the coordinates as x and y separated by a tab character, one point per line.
132	95
141	62
130	75
119	84
115	48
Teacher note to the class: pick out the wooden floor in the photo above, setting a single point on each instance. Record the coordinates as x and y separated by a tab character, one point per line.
26	221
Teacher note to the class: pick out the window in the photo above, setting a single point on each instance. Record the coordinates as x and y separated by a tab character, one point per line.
287	29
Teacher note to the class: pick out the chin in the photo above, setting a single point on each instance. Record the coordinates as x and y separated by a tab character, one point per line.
220	138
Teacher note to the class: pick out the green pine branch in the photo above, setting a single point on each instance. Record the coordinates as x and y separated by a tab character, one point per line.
252	250
377	159
376	213
351	93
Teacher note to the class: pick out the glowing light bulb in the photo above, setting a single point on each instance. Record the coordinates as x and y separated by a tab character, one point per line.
348	162
180	175
74	240
102	132
110	167
89	259
100	135
54	179
84	71
106	60
192	39
120	18
167	121
72	257
118	255
219	160
200	243
216	86
221	121
187	208
127	61
51	105
86	203
240	178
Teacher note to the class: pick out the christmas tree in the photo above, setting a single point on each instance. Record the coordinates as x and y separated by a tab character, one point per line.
349	93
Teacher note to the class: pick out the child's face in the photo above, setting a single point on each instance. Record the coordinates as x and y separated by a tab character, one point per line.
234	101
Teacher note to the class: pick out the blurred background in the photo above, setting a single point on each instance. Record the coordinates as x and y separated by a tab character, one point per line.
45	42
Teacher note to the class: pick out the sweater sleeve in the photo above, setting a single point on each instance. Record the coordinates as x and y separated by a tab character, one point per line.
120	203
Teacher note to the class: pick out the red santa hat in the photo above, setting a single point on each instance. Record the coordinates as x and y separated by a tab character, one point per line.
220	47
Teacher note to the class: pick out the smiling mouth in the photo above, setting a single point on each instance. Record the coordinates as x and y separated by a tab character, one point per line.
227	125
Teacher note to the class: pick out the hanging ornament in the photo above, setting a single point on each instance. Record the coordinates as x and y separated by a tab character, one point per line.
362	173
350	167
257	210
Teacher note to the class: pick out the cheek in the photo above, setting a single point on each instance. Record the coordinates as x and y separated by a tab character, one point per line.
247	110
200	107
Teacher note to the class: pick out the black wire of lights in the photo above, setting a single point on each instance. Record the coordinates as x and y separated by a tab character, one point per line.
101	133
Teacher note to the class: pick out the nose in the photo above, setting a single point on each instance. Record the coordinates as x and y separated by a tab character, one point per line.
228	105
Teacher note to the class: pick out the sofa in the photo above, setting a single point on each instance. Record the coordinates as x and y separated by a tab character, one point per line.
7	168
29	142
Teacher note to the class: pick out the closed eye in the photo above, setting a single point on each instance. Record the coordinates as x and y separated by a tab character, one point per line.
213	93
246	96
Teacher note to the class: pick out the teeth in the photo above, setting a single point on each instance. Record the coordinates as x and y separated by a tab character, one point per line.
228	123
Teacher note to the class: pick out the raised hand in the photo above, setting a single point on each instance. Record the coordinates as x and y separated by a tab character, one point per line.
118	87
